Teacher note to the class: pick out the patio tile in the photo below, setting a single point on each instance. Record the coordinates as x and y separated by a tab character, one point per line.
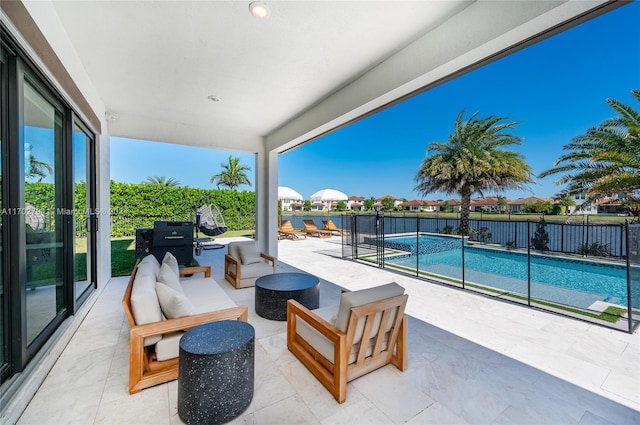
472	360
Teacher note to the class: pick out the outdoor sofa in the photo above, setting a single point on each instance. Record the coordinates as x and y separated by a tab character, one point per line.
160	306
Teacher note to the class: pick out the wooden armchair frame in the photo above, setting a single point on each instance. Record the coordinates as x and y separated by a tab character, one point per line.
334	376
310	228
144	369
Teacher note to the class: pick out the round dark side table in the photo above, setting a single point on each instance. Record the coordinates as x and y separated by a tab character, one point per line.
273	291
215	372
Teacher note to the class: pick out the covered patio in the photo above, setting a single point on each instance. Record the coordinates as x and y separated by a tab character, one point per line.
211	74
472	360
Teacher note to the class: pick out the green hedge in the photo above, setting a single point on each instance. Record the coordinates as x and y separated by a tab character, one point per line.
136	205
139	205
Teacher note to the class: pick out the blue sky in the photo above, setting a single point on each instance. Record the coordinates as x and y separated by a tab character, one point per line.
555	89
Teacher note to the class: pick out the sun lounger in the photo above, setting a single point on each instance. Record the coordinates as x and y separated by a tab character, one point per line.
310	228
287	230
329	225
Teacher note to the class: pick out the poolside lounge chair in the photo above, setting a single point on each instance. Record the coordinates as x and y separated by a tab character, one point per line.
310	228
286	229
340	343
329	225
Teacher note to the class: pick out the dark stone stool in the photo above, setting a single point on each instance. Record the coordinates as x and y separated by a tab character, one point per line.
215	372
272	292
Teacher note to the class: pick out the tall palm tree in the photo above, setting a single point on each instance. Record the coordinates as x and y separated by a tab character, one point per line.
38	169
233	174
472	161
606	159
163	181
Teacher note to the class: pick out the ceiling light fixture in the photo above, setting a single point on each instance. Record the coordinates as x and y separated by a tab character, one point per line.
213	98
259	9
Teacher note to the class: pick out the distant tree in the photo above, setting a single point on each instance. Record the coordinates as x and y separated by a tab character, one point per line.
540	239
368	204
446	207
539	207
473	160
606	159
388	205
163	181
233	174
341	206
307	205
501	203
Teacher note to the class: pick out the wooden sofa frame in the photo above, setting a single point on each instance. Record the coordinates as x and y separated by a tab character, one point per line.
144	369
334	376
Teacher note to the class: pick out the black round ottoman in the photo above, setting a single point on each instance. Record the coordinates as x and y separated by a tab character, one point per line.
274	290
215	372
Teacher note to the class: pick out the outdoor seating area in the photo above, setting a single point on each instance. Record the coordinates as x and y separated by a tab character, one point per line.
469	360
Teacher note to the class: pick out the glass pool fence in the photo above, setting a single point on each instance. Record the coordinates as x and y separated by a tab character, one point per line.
591	273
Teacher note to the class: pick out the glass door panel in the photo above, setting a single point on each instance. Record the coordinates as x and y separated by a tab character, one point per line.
43	228
82	208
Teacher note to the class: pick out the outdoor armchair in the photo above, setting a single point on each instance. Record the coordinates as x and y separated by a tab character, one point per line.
243	264
366	331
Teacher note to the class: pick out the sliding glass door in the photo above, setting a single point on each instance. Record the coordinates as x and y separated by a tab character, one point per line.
43	228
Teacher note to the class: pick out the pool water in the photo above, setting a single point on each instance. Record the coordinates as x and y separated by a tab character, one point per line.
567	281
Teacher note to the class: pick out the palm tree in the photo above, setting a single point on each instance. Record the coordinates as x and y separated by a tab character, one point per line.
38	168
163	181
472	161
232	175
606	159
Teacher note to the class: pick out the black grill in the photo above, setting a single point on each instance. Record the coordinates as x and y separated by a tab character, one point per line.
175	237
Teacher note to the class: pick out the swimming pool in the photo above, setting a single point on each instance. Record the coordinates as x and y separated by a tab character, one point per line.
572	282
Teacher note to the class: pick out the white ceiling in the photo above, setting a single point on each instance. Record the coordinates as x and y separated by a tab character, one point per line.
311	65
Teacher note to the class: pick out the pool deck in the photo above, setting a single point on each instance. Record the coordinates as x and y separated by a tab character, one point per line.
472	360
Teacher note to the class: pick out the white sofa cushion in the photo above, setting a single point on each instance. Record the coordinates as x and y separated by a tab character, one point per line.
144	303
173	303
169	278
206	295
170	260
148	265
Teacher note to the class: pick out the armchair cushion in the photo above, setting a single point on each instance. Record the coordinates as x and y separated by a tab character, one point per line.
173	303
249	254
348	300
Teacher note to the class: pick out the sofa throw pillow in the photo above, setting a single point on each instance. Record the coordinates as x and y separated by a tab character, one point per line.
249	254
169	278
171	261
173	303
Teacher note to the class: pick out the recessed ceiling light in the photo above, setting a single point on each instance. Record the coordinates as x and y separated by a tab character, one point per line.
213	98
259	9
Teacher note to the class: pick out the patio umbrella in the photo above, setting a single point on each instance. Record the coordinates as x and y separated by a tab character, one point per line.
288	193
328	195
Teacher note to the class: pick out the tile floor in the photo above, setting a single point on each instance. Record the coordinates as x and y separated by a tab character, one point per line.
472	360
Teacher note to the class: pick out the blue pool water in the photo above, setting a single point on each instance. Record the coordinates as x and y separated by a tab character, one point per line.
567	281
